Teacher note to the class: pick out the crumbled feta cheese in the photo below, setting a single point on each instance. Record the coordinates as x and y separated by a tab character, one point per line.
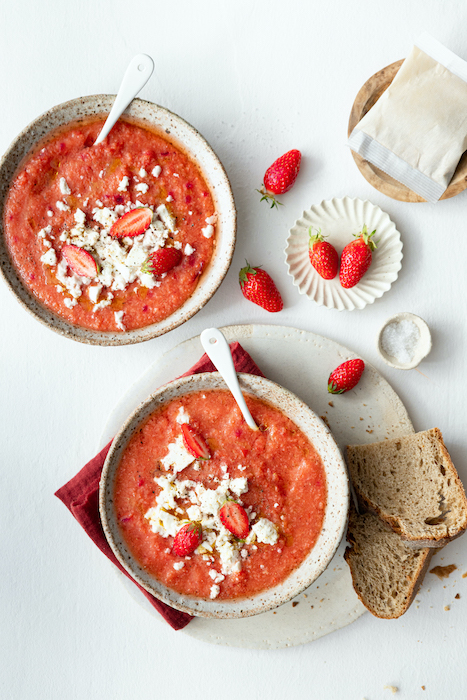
166	217
80	218
142	172
216	576
49	258
211	219
179	565
188	249
142	187
118	320
207	231
50	213
182	416
70	303
177	457
71	282
45	232
99	203
62	206
169	198
93	292
101	174
64	189
265	531
239	485
156	171
178	245
215	590
244	553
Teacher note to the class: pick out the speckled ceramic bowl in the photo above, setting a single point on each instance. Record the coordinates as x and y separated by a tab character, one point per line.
335	517
182	134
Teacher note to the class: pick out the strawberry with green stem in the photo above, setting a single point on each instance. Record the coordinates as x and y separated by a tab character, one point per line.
280	177
356	258
162	261
323	256
346	376
187	539
258	286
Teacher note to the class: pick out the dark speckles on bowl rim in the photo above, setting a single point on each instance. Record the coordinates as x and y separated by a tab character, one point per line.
197	148
335	518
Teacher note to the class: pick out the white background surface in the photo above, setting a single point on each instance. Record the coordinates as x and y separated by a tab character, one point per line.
256	78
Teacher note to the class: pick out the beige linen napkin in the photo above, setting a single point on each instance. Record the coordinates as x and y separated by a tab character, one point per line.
417	131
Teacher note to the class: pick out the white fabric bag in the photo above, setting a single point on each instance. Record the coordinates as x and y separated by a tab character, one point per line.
417	130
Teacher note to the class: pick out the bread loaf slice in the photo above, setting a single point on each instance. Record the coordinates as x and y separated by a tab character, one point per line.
386	572
412	484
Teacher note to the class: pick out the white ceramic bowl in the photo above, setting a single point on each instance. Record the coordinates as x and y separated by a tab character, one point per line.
422	349
335	517
183	135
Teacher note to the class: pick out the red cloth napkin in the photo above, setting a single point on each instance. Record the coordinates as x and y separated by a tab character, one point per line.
81	493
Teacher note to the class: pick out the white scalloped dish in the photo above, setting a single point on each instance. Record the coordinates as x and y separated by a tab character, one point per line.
339	219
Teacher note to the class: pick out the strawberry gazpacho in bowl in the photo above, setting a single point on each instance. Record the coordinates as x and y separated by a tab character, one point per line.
217	519
119	242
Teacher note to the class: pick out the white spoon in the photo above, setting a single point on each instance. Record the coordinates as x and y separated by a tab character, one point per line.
136	76
218	351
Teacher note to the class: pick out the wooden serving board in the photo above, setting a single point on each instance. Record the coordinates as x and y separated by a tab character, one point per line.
368	95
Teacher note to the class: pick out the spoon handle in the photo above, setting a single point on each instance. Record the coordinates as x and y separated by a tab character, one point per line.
136	76
218	351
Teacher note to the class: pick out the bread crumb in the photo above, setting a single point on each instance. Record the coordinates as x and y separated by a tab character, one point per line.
369	431
295	603
464	575
325	420
457	596
423	687
330	403
392	688
447	607
443	571
361	418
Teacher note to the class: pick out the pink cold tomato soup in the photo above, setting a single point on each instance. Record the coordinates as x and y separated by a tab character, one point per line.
70	193
275	475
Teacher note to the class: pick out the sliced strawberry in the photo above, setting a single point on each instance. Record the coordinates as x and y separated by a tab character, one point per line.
187	539
133	223
162	260
194	443
235	519
80	261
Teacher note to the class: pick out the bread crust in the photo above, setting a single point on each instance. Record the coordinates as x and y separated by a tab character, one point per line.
353	551
434	540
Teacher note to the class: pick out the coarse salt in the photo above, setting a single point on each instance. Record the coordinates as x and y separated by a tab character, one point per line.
400	339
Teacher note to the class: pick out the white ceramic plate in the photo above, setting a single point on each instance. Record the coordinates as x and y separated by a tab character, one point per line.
339	219
330	603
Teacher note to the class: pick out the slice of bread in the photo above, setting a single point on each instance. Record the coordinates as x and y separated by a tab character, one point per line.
412	484
386	572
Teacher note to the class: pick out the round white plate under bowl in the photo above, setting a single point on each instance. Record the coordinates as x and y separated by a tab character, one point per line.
339	219
422	348
370	412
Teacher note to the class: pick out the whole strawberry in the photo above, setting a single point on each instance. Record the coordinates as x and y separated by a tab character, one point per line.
323	256
356	258
162	260
187	539
280	176
257	286
345	377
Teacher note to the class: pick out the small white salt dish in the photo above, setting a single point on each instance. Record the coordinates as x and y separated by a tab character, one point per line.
421	349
